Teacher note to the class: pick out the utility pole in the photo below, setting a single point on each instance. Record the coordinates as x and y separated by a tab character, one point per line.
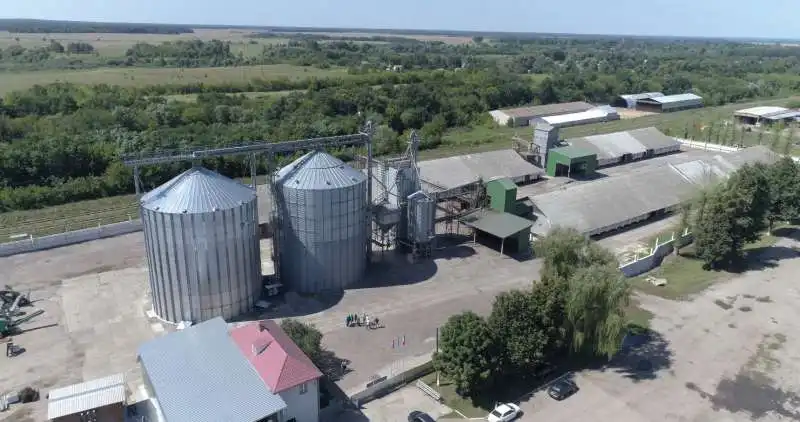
438	381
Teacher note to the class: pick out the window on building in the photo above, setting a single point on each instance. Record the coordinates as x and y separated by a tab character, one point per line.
304	388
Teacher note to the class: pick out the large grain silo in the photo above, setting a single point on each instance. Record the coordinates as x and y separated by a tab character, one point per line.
200	231
322	217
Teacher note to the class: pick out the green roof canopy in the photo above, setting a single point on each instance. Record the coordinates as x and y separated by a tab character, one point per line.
499	224
572	152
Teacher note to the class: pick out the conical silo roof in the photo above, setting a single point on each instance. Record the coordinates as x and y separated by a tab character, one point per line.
318	170
197	190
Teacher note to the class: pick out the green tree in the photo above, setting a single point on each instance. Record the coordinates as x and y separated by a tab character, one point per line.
712	232
565	250
468	354
307	337
776	137
595	305
784	184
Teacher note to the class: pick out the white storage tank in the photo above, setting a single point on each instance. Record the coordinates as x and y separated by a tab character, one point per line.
421	217
321	208
201	236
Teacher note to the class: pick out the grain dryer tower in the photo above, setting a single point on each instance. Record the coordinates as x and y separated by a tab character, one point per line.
200	231
321	223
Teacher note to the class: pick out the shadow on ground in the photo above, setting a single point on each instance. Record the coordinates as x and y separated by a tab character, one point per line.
644	354
752	393
292	305
336	406
768	257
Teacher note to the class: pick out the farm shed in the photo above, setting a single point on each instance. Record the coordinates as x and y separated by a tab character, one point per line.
595	115
629	100
502	194
611	203
461	170
521	116
623	147
511	230
99	399
669	103
766	115
570	161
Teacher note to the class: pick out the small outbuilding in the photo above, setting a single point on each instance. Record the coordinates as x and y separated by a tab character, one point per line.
766	115
101	399
512	231
570	161
670	103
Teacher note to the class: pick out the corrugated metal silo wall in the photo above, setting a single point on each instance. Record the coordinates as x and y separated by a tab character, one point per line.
203	265
324	237
422	216
407	182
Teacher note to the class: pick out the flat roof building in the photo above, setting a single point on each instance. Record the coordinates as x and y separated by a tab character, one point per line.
629	100
622	147
461	170
670	103
521	116
595	115
766	115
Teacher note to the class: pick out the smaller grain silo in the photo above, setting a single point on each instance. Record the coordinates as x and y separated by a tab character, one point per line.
201	236
421	218
322	223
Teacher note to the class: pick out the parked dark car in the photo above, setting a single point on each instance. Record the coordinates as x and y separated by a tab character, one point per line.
417	416
562	389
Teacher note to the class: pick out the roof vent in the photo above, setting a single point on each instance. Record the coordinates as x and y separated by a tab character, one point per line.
260	346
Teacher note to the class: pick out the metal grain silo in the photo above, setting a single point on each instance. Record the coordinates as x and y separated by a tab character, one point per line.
201	236
322	212
421	217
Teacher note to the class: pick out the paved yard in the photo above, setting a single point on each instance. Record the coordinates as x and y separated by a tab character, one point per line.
730	354
396	406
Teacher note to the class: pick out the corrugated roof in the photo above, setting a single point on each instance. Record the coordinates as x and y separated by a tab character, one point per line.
609	145
197	190
592	207
461	170
574	118
595	206
652	138
761	112
199	375
85	396
668	99
641	96
547	110
499	224
278	360
319	170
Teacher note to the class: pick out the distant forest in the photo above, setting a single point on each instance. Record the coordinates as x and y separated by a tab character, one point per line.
35	26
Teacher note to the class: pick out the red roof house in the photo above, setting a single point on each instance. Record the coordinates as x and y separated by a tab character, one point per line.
279	362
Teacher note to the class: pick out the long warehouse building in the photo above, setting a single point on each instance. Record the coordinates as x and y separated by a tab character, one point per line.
614	202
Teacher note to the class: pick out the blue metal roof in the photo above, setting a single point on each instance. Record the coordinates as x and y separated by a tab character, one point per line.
197	190
199	375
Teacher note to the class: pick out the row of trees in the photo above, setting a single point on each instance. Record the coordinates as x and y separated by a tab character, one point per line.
38	26
64	142
577	308
740	210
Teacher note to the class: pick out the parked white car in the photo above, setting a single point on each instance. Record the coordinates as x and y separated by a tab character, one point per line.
504	413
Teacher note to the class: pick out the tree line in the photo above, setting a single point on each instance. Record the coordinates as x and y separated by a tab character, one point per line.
577	308
63	142
38	26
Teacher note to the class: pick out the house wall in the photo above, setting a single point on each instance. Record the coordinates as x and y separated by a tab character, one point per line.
111	413
301	407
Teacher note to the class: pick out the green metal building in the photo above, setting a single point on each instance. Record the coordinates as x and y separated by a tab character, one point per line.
502	194
570	161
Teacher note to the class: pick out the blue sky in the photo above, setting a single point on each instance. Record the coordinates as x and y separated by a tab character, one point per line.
710	18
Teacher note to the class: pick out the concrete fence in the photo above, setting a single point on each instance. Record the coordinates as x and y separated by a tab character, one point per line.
640	265
421	366
707	146
69	238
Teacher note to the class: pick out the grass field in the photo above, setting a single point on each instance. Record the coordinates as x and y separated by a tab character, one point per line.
685	274
161	76
484	138
67	217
